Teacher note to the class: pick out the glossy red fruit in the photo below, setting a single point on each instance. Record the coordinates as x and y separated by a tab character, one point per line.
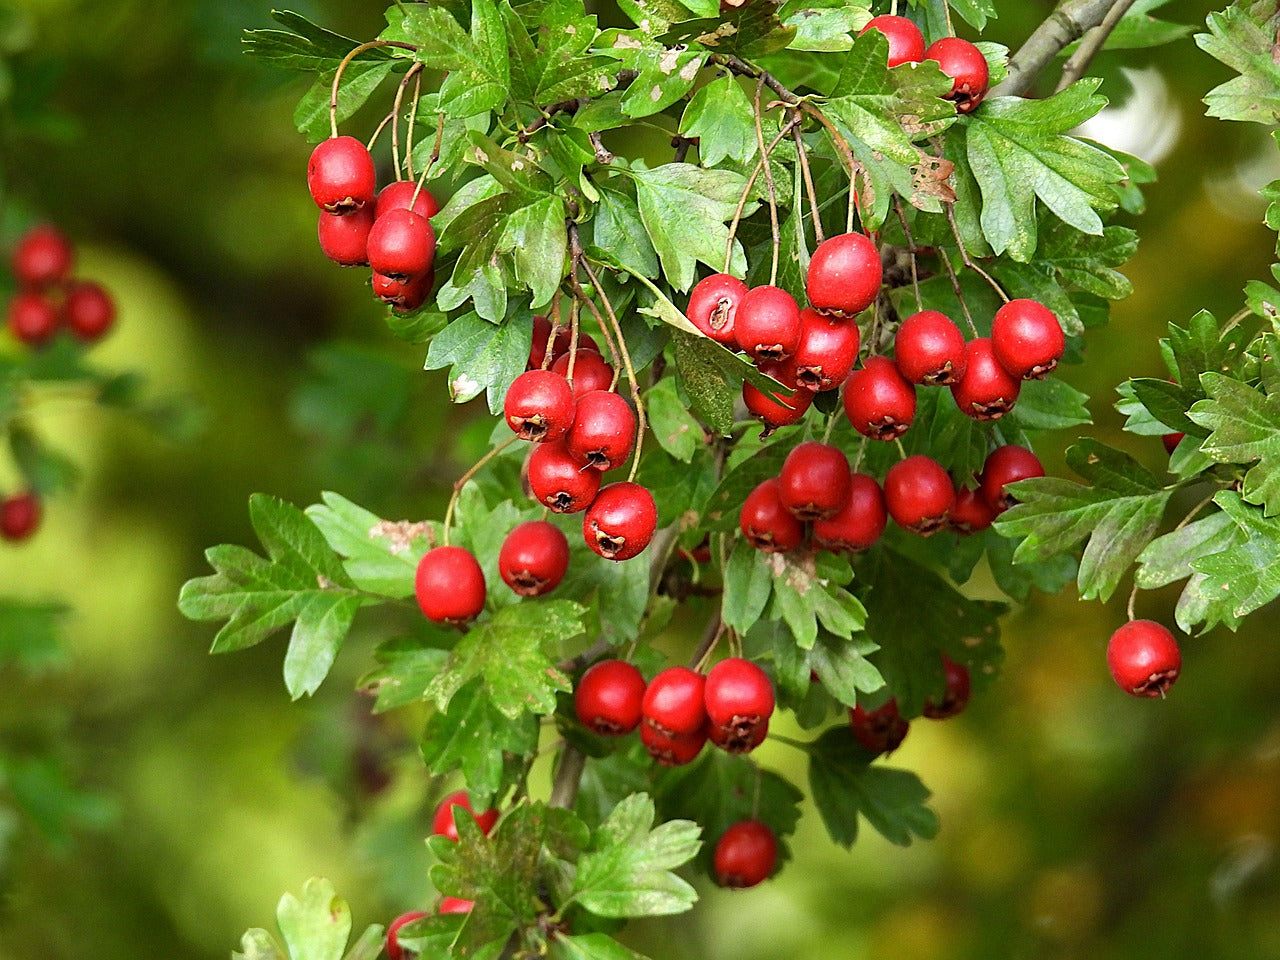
673	751
713	306
970	513
340	175
766	523
406	294
739	701
539	406
591	371
860	524
767	325
620	521
608	698
1144	658
987	391
534	558
1171	441
844	275
559	481
814	481
344	238
827	351
929	348
881	730
394	950
449	585
675	702
443	822
603	431
745	854
43	257
19	516
878	401
455	905
966	66
33	317
918	494
906	42
779	409
956	695
1005	465
88	310
559	347
1027	339
401	244
399	196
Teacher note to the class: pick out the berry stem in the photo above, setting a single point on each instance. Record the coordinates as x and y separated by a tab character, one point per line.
950	209
746	192
1194	511
955	285
808	180
768	179
575	313
911	251
395	113
413	119
337	74
831	425
431	162
706	646
1133	598
378	130
465	478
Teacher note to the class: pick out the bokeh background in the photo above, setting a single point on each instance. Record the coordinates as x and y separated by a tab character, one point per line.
1076	822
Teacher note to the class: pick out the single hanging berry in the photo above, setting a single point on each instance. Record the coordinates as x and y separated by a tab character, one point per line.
879	403
534	558
609	697
1005	465
674	702
449	585
673	751
844	275
906	42
1144	658
739	701
767	325
340	175
394	949
539	406
43	257
620	521
814	481
955	696
987	391
970	513
860	524
745	854
881	730
559	481
591	372
33	317
918	494
713	306
966	66
559	346
399	195
88	311
401	244
1027	339
929	349
443	823
766	523
19	516
603	431
344	238
827	351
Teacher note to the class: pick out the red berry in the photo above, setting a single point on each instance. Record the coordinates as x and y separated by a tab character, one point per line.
1006	465
956	695
620	521
603	431
394	950
591	371
455	905
539	406
767	325
929	349
673	751
340	175
713	305
777	409
1027	339
406	294
730	741
542	333
918	494
881	730
966	66
43	257
19	516
844	275
814	481
33	317
559	481
399	195
1171	441
745	854
401	244
443	823
1144	658
878	401
827	351
608	698
344	238
987	391
906	42
88	310
675	702
971	513
449	585
739	701
534	558
859	525
766	523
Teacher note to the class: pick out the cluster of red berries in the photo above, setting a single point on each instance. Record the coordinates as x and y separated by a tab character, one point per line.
388	231
883	729
49	297
959	59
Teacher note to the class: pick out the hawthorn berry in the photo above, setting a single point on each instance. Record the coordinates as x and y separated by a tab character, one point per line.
878	401
673	751
455	905
844	275
539	406
88	310
730	741
780	409
745	854
739	700
394	950
1171	441
404	295
559	481
534	558
1027	339
399	195
766	523
340	175
591	371
43	257
33	317
906	42
713	305
344	239
966	66
1005	465
970	513
608	698
603	431
767	324
814	481
620	521
987	391
443	823
449	585
674	702
929	348
559	347
19	516
827	351
401	244
881	730
955	697
918	494
1144	658
859	525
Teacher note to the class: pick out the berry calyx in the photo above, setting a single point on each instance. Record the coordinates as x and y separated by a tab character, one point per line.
827	351
781	408
767	325
609	696
674	702
340	175
449	585
403	295
728	740
929	348
603	431
19	516
401	244
1005	465
673	751
878	401
859	524
881	730
534	558
955	696
970	513
620	521
344	239
906	42
745	854
43	257
987	391
591	371
713	305
844	275
739	701
766	523
1144	658
1027	339
539	406
394	950
560	482
814	481
966	66
918	494
399	196
443	823
33	317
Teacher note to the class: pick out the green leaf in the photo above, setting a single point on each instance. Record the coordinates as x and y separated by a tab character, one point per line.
619	230
1243	37
591	946
1169	558
308	47
404	672
478	63
1246	428
843	667
1139	30
712	376
473	736
1050	404
808	590
536	237
748	583
316	926
31	633
1244	576
743	477
302	580
43	469
257	944
824	29
664	73
721	117
1201	347
675	429
381	555
975	12
560	68
359	81
1167	403
482	356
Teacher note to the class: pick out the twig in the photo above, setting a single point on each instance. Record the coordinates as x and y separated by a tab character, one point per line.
950	209
911	250
1065	25
564	789
1090	44
682	145
773	194
808	182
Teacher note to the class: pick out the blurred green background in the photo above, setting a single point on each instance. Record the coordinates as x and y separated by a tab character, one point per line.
1076	822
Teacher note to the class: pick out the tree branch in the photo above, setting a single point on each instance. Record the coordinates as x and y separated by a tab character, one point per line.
1065	25
1090	44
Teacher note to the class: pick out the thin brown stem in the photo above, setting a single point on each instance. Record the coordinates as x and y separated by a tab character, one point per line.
808	182
964	253
710	637
746	192
431	161
1133	599
773	193
911	251
466	478
955	285
413	119
395	114
342	66
382	124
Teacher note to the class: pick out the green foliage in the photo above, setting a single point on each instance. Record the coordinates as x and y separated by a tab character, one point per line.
315	926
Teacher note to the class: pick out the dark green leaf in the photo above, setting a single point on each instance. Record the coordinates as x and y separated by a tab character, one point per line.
591	946
1050	404
308	47
675	429
482	356
359	81
1244	575
620	231
1243	37
405	670
810	590
748	583
843	667
721	117
474	737
1246	428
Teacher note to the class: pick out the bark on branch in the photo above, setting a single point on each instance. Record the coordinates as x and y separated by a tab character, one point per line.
1065	25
